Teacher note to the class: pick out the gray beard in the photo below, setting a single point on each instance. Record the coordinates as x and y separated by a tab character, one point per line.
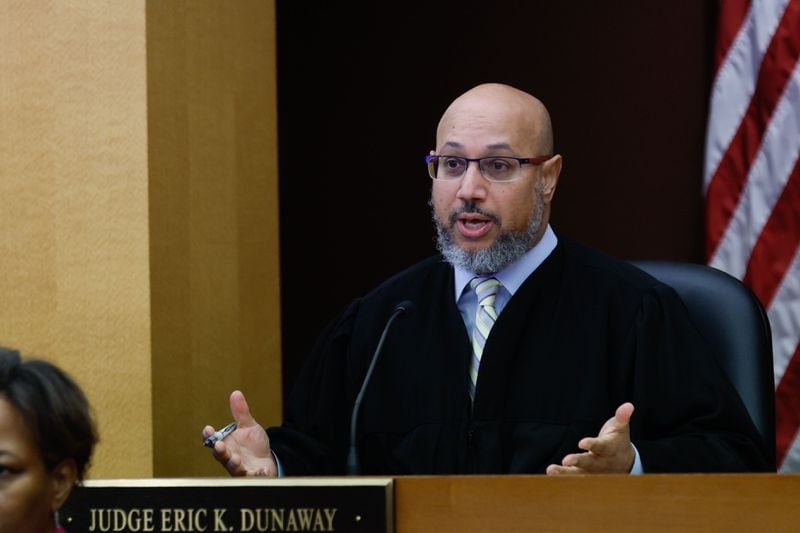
507	248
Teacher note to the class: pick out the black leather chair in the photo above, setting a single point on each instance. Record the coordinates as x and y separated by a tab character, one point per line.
733	321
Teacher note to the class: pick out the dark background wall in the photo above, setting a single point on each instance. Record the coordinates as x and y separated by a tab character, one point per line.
361	88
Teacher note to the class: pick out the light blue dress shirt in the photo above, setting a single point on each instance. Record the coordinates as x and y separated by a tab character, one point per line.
511	278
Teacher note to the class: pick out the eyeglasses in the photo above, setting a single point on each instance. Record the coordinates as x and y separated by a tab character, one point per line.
497	169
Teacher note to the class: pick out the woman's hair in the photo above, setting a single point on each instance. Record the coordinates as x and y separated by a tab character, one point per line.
53	407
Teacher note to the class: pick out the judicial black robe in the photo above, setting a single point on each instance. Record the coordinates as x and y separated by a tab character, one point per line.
582	335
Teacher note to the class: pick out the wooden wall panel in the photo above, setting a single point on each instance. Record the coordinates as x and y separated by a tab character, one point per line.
138	215
74	274
213	221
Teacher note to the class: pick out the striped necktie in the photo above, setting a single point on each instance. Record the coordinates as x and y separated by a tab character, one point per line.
485	316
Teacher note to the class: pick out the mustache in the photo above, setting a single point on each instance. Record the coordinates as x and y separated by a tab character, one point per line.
470	207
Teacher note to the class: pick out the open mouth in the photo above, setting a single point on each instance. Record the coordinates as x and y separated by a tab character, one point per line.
473	226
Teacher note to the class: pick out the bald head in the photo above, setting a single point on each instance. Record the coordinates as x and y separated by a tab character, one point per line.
499	106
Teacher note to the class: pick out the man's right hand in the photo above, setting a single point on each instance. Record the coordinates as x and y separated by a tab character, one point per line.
246	451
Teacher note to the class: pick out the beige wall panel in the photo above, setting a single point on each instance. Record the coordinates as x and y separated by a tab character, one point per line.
214	221
74	271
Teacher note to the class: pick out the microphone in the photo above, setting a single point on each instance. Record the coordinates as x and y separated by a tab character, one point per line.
407	307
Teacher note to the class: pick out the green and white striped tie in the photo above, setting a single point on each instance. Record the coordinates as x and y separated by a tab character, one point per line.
485	316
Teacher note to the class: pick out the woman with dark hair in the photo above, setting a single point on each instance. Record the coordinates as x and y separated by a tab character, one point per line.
46	440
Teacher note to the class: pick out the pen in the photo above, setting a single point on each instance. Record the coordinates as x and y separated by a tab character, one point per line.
219	435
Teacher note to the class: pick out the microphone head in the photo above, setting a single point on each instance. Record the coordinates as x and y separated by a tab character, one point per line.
406	306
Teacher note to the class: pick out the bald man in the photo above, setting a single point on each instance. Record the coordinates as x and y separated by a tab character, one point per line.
527	352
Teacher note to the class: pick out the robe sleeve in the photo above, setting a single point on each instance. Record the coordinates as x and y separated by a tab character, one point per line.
313	439
689	417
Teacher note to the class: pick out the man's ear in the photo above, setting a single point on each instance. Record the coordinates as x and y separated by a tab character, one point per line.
63	477
551	170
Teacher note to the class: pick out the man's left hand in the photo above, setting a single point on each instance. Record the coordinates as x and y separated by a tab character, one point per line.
611	452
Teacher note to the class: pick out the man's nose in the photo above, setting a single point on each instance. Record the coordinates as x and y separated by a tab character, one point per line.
473	184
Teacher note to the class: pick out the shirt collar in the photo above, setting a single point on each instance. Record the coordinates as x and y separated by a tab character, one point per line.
517	272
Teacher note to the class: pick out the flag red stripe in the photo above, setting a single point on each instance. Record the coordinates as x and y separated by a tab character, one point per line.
778	242
731	16
787	406
728	180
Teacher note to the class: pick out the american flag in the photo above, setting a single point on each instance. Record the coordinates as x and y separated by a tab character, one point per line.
752	181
